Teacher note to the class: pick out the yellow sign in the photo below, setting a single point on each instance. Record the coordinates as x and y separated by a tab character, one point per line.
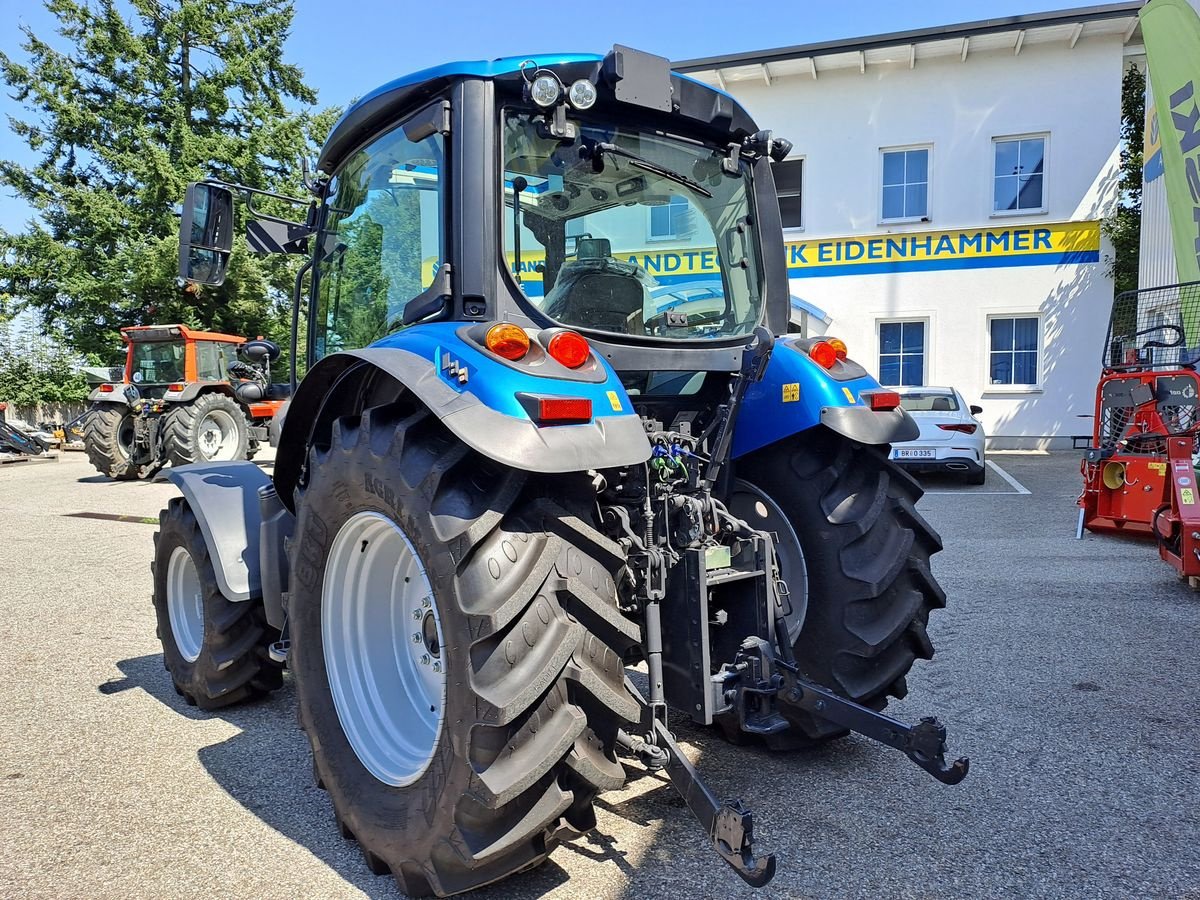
791	392
614	401
849	394
1157	468
1187	497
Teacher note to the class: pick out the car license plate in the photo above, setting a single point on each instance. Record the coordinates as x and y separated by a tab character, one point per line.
914	453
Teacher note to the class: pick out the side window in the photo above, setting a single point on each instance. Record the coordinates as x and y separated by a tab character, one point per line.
382	240
210	361
1018	174
905	184
901	353
789	186
1014	349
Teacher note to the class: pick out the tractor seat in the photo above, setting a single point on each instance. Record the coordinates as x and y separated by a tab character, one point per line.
259	351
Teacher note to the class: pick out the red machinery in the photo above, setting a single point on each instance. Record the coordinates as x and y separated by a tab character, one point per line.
1138	475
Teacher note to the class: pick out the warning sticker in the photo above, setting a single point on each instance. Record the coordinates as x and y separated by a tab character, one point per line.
1187	496
1157	468
791	392
614	401
849	394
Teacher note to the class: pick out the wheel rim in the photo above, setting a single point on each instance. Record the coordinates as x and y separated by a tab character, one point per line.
754	506
383	648
125	436
185	604
217	436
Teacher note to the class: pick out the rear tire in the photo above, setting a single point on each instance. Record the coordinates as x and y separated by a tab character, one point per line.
108	440
866	552
978	477
215	649
527	633
211	428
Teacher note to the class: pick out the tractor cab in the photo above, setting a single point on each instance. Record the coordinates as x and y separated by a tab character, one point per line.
157	356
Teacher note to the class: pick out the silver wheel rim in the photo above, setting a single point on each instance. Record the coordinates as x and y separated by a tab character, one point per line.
754	506
185	604
383	648
217	436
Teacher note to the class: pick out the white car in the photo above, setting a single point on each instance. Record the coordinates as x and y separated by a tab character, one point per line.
951	438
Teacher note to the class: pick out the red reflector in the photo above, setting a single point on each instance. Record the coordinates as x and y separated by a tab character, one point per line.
569	348
881	401
965	429
106	388
823	354
562	410
176	387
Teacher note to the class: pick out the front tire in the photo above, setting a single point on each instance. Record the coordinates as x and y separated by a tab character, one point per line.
866	554
108	439
211	428
455	779
215	650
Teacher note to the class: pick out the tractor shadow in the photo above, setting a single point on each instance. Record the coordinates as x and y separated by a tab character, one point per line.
267	768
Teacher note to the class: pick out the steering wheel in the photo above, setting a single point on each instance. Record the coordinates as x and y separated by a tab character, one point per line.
1180	336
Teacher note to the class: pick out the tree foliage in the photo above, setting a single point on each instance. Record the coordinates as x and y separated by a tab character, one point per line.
121	121
1124	227
35	369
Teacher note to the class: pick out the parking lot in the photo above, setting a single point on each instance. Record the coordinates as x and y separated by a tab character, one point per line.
1065	669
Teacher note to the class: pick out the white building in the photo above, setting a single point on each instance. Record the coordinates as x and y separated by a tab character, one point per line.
943	200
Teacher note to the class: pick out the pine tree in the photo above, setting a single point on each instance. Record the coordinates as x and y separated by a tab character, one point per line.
122	120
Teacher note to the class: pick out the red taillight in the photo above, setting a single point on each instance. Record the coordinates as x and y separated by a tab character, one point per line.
824	354
880	401
106	388
569	348
964	428
563	410
507	340
176	387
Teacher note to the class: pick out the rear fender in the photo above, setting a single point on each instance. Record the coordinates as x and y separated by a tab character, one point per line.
796	394
224	498
474	395
194	389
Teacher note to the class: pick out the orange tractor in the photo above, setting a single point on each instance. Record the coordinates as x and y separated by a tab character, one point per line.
1139	476
187	396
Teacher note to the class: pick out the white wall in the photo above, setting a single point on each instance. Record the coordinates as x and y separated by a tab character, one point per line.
840	121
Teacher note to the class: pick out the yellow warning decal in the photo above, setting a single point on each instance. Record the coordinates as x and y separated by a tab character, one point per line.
1187	496
1157	468
849	394
791	392
614	400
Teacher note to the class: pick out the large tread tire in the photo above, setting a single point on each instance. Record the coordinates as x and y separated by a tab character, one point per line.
525	588
181	430
234	663
867	552
104	431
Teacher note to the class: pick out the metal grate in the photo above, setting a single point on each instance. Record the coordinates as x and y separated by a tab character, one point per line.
1154	328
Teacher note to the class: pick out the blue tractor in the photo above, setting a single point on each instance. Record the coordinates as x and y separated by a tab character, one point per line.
524	500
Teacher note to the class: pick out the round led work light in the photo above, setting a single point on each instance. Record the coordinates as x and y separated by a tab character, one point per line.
582	94
545	90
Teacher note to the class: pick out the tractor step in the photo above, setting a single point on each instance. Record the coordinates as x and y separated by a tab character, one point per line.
279	651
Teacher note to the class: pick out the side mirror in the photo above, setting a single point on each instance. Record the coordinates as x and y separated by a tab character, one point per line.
205	233
976	410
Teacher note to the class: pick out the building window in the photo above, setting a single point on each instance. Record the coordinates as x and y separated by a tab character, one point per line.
670	220
789	185
1019	175
1014	350
906	183
902	353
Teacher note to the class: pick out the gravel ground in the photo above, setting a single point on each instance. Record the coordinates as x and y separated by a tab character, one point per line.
1066	671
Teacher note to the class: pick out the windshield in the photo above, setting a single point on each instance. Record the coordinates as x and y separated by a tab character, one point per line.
929	401
629	232
157	362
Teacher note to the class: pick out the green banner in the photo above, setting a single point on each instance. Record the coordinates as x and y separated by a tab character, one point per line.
1171	31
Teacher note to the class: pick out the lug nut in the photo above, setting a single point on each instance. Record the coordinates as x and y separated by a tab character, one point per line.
437	667
424	659
427	602
416	638
418	614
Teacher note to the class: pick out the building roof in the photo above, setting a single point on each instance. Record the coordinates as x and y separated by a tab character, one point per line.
1012	33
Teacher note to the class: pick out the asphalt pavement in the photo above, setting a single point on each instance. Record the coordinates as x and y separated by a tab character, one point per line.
1065	669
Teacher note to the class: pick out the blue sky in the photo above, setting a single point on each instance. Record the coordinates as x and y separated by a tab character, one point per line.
347	48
